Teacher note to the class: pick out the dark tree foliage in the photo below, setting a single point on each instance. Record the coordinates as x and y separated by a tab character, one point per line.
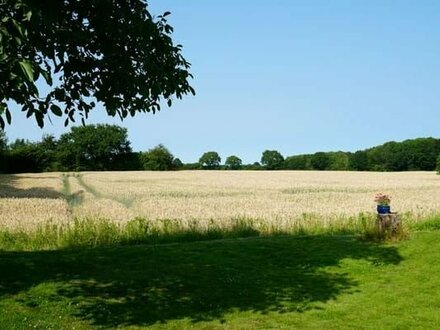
395	157
112	51
320	161
158	158
298	162
438	164
3	145
106	147
233	163
177	164
130	161
46	153
22	157
256	166
210	160
25	156
3	141
339	161
413	155
410	155
358	161
92	147
272	160
421	154
191	166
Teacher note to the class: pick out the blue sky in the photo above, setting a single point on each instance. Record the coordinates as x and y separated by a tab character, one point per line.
295	76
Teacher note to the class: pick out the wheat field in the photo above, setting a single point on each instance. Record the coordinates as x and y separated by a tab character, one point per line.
205	197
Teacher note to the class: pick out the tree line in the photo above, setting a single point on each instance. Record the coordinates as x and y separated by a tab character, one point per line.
106	147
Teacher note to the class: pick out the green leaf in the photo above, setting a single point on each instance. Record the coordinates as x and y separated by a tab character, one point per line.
56	110
18	40
27	16
46	75
20	29
8	116
40	119
27	69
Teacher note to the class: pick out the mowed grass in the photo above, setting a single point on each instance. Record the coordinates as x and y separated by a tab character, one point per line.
307	282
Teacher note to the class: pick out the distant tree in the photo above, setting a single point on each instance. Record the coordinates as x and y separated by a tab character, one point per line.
414	155
210	160
358	161
3	141
158	158
130	161
320	161
191	166
272	160
233	163
339	161
46	153
376	159
421	154
299	162
92	147
113	52
438	164
3	146
255	166
21	157
395	157
177	164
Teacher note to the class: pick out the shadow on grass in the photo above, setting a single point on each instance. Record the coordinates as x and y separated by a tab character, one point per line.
9	188
200	281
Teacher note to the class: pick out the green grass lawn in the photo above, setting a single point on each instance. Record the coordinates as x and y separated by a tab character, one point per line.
326	282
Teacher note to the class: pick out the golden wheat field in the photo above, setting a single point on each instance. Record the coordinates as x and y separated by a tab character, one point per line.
28	200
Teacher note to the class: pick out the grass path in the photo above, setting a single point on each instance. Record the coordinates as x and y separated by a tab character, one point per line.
73	199
312	282
124	201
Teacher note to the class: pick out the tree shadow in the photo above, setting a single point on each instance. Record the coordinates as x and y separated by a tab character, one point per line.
9	188
201	281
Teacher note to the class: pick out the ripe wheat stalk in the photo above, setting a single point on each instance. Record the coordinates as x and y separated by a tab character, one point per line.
203	198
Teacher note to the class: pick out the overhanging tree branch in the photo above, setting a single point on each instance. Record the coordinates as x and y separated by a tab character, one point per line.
114	52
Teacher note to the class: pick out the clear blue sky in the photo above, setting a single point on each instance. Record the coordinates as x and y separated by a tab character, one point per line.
295	76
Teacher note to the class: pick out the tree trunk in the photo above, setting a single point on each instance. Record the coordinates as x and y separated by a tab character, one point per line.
388	224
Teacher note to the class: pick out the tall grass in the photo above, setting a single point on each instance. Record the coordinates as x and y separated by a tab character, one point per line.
285	200
428	224
94	209
95	232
